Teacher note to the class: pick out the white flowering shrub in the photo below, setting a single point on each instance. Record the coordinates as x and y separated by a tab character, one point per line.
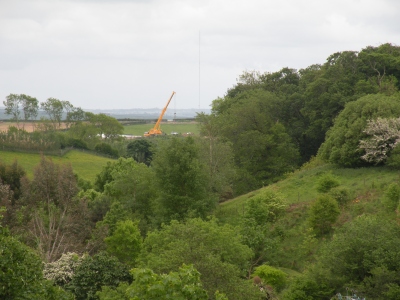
384	136
61	271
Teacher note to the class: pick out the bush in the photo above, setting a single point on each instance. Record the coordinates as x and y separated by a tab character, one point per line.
392	197
77	143
323	213
393	161
340	194
106	149
326	182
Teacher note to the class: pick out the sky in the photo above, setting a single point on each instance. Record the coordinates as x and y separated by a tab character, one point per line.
124	54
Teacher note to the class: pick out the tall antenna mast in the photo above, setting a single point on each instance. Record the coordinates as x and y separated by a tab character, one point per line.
199	69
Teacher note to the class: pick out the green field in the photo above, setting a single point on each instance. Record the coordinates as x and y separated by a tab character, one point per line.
84	164
167	128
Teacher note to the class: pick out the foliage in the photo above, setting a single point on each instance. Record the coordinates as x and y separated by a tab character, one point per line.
392	197
271	276
262	148
62	270
323	213
140	150
358	249
182	180
341	194
326	182
184	284
384	136
125	242
12	175
260	212
215	251
21	276
57	221
106	149
95	272
342	140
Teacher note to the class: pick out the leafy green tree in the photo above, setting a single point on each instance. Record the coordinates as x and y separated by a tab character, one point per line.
21	275
356	252
260	212
215	251
182	180
140	150
125	243
262	149
97	271
108	127
184	284
323	214
30	107
54	109
342	140
12	107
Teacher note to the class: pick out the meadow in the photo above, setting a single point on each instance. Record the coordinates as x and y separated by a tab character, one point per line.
86	165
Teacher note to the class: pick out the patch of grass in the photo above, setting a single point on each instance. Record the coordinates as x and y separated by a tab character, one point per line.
140	129
84	164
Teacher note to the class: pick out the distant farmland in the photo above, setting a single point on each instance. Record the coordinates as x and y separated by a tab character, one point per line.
167	128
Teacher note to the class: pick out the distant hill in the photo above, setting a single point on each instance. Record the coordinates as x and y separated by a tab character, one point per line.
136	113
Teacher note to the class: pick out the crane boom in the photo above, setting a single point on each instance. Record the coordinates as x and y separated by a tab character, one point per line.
156	129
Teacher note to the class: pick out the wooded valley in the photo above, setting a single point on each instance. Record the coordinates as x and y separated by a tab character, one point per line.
289	191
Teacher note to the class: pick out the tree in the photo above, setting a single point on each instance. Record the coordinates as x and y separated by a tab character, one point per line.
384	135
341	145
30	107
74	115
21	274
182	180
12	105
215	251
323	214
56	220
362	253
184	284
95	272
54	109
108	127
140	150
125	243
262	149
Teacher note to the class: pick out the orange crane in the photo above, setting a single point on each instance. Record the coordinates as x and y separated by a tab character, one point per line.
156	129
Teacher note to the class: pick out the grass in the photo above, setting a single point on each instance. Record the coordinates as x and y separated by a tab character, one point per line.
183	127
84	164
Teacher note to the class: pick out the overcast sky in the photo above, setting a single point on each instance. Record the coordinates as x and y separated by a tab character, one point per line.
134	53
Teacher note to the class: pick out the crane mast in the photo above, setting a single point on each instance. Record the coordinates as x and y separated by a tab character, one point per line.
156	129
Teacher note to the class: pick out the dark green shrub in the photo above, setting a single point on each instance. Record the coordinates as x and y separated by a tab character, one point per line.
77	143
106	149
